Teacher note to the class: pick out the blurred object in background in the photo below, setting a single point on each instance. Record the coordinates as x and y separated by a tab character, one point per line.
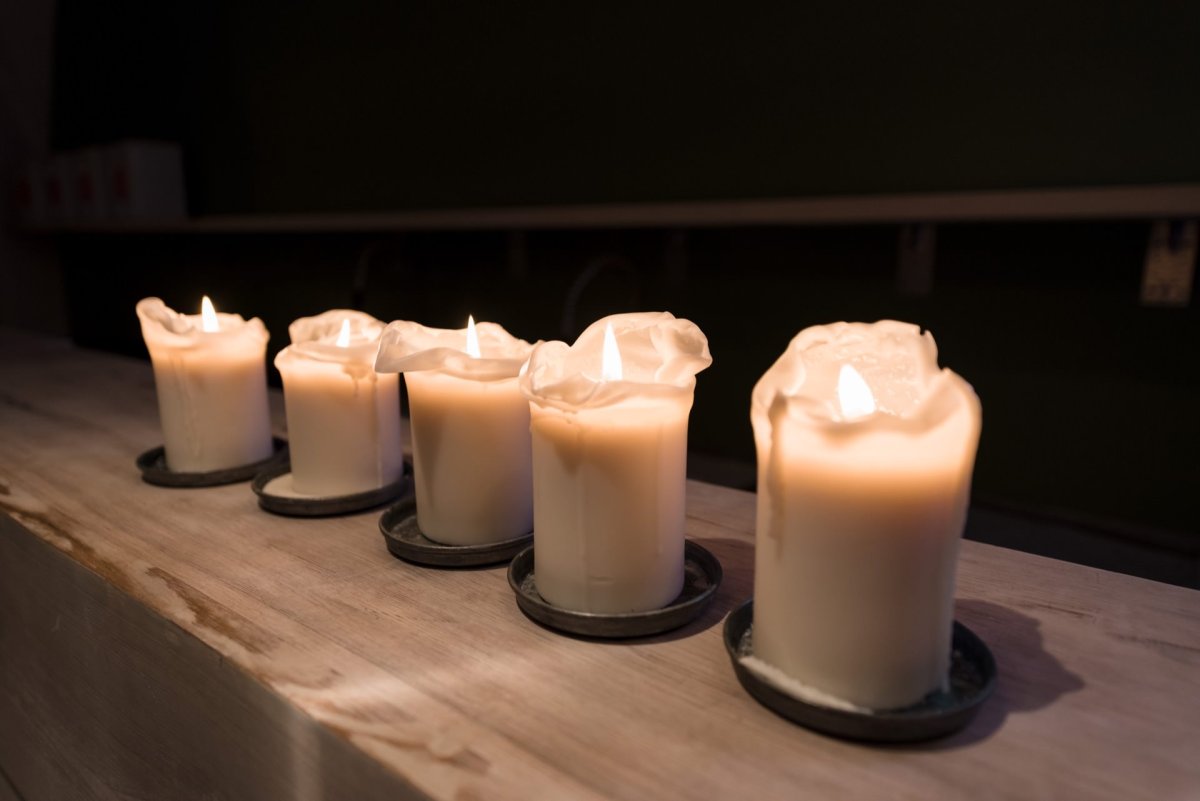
131	181
144	180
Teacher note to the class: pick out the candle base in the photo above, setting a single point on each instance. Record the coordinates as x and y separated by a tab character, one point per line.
272	488
405	541
972	680
702	576
153	466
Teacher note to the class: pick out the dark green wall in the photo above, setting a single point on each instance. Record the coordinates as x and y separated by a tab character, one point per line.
1089	398
333	105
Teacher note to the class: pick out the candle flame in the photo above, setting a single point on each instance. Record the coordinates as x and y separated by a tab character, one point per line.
208	317
343	340
854	395
472	339
611	368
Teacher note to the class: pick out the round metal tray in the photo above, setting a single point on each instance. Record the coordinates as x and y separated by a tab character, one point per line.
292	506
405	541
972	680
702	577
153	465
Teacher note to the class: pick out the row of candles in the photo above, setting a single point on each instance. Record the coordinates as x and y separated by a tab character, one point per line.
865	452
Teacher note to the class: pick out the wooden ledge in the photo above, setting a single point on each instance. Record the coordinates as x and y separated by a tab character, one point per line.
159	643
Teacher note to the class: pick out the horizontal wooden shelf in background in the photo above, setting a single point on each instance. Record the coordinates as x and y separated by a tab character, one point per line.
1093	203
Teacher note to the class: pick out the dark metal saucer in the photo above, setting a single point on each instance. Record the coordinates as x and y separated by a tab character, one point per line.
405	541
702	576
972	680
153	465
324	506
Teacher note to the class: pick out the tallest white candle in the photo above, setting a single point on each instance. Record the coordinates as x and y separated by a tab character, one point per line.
865	452
211	373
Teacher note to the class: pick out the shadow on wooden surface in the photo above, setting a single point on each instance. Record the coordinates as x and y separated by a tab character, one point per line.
1030	678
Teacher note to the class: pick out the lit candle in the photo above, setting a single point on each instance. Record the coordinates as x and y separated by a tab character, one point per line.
343	417
865	452
609	426
470	429
211	374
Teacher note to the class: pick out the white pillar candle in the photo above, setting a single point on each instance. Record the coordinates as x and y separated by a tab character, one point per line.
343	417
865	452
470	429
210	370
609	426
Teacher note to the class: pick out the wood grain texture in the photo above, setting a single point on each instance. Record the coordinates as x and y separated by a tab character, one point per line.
180	643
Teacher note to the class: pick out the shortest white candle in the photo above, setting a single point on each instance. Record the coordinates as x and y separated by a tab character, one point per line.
470	429
865	451
343	417
210	370
609	426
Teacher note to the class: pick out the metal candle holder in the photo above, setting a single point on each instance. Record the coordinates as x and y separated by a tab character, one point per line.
324	506
405	541
702	577
943	712
153	466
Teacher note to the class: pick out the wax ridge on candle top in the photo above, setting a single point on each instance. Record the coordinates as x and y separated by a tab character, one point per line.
162	325
660	356
338	335
407	346
894	362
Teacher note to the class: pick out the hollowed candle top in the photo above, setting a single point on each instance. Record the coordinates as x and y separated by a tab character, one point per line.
660	356
340	335
410	347
863	385
162	326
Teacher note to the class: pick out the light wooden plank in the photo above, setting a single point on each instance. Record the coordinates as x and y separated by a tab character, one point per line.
438	681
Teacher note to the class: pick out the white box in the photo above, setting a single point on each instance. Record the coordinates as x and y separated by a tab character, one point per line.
144	180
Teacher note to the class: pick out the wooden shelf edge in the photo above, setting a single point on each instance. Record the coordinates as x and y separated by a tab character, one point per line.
1094	203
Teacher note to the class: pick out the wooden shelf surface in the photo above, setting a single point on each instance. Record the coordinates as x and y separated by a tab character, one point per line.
159	643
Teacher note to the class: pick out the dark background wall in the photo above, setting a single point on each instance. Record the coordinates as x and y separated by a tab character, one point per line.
1089	398
332	105
1090	430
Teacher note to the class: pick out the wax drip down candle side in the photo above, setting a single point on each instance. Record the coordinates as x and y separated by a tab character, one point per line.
210	373
343	417
865	454
470	429
609	417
